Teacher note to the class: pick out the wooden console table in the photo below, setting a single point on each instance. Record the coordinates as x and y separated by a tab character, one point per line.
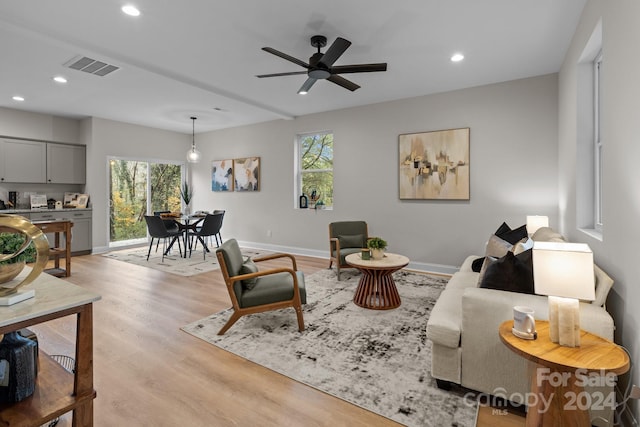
57	391
58	227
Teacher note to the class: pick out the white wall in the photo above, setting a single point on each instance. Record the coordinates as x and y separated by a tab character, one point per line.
513	171
617	251
105	138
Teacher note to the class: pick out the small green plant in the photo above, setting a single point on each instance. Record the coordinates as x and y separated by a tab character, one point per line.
10	243
376	243
186	193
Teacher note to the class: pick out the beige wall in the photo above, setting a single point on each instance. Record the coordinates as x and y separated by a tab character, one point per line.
616	251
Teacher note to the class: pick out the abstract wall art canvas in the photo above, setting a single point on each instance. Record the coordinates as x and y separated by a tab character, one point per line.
222	175
434	165
246	172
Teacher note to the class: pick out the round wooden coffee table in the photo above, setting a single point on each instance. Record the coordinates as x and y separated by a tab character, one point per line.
376	289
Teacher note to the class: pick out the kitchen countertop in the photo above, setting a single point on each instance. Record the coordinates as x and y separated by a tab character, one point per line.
21	211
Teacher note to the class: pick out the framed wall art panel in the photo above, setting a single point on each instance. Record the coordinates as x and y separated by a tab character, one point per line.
434	165
222	175
246	174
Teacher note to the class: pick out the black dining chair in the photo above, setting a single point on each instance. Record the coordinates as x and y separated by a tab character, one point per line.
158	230
170	224
210	227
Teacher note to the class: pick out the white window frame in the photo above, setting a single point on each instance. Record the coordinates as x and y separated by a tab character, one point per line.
597	143
298	166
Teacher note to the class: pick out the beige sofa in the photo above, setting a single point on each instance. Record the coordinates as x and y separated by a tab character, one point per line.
463	330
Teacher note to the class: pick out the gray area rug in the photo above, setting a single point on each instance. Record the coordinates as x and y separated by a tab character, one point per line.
174	263
379	360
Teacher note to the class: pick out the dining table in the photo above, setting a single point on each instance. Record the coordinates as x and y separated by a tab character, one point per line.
186	223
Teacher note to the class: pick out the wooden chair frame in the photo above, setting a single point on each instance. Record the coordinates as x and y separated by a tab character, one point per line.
238	312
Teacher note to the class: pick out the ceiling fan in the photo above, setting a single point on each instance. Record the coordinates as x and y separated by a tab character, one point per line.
320	65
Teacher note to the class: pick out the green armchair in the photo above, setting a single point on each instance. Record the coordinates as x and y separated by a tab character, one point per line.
346	237
253	291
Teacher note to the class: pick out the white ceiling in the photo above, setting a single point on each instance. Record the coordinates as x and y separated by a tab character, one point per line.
188	58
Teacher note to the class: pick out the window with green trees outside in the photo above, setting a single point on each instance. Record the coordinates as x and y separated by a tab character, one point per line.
315	167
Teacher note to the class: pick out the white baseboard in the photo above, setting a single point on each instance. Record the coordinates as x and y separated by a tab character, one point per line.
418	266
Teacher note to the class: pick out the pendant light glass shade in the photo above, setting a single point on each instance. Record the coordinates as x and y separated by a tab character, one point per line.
193	155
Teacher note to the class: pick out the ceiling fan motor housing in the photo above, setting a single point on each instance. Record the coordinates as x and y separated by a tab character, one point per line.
317	70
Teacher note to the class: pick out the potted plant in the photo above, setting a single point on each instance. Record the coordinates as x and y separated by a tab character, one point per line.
10	243
186	193
377	246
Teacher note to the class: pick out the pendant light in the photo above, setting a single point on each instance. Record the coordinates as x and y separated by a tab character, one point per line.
193	155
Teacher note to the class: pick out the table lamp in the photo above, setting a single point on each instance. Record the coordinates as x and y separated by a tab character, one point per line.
564	272
536	221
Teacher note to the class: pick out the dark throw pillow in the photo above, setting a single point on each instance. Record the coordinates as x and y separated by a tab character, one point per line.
512	236
249	267
351	241
515	235
512	273
476	265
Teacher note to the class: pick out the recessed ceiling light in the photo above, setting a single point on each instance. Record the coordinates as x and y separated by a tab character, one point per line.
59	79
131	10
302	92
18	98
457	57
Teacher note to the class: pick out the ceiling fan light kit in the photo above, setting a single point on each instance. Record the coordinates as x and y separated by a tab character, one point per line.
320	65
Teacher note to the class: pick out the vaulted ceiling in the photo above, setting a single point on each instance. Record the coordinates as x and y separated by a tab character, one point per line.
200	57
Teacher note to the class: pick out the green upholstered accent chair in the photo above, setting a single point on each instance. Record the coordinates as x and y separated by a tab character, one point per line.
346	237
254	291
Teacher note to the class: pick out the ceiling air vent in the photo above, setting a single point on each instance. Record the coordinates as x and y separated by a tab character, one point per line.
91	66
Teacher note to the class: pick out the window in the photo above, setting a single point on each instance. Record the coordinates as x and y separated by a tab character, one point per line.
138	188
597	146
314	167
589	136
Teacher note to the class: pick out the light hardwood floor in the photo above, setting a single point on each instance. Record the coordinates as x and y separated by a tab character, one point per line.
149	373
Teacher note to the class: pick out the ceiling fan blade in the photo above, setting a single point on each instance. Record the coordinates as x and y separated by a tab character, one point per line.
293	73
285	56
333	53
341	81
307	85
359	68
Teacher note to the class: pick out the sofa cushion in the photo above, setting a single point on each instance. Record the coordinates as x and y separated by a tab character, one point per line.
497	247
445	322
603	286
462	280
510	273
547	234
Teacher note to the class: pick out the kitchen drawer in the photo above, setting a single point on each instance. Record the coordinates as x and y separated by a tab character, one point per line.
54	214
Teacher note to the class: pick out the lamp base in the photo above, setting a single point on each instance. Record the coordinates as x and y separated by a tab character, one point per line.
17	297
564	321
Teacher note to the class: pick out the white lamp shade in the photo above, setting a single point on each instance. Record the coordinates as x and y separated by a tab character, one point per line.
534	222
563	270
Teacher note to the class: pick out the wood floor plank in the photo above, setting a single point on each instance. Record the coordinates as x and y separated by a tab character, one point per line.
150	373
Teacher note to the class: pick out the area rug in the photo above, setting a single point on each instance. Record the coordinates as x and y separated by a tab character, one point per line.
174	263
379	360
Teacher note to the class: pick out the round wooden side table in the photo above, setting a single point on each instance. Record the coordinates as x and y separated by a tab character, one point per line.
377	289
558	387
